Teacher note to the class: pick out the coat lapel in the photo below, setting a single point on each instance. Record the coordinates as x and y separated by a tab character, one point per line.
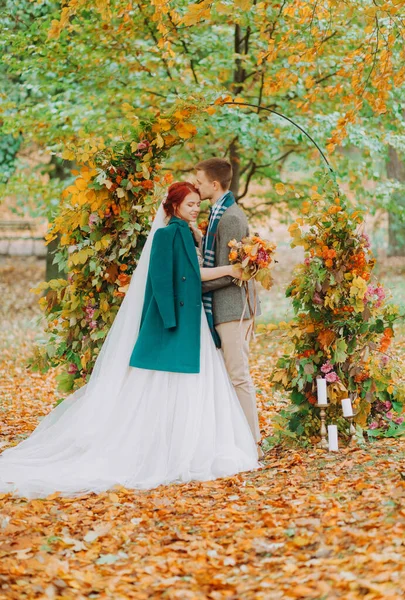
188	241
190	248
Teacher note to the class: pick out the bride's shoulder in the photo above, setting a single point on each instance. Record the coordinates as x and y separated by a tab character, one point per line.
163	234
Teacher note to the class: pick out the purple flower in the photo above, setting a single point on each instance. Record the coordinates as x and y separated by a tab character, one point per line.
143	145
389	415
384	360
262	254
307	261
387	404
72	369
373	425
374	294
327	367
331	377
93	324
316	299
366	241
399	420
90	312
93	219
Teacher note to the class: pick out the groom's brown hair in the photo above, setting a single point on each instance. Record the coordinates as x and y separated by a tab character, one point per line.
217	169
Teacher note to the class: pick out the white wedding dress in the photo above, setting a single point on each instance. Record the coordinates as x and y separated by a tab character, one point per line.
135	427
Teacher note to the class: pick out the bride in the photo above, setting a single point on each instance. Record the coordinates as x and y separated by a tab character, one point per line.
159	407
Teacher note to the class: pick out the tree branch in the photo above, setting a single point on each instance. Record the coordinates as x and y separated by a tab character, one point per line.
186	50
155	39
248	179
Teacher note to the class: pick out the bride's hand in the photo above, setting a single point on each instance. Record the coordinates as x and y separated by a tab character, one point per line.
235	272
196	233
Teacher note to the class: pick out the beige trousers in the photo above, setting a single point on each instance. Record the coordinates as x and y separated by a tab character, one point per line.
235	349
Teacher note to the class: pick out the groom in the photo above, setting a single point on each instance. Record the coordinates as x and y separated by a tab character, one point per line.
224	302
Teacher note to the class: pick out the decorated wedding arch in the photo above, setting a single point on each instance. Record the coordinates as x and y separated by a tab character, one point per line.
342	325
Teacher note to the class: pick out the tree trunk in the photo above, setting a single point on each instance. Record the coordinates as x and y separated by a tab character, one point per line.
396	227
241	46
235	162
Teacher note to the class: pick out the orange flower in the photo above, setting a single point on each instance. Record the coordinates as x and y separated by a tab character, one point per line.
203	226
123	279
312	399
233	255
329	263
386	339
384	344
361	377
147	184
257	240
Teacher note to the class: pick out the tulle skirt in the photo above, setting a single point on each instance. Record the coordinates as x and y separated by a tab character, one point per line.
165	428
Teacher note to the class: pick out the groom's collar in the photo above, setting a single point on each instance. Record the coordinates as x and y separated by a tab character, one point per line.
220	199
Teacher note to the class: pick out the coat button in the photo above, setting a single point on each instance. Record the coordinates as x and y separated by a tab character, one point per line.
183	278
182	303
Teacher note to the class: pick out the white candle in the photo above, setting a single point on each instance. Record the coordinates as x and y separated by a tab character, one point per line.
347	407
322	394
333	438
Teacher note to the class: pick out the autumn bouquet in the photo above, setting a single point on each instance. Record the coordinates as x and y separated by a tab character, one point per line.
254	256
203	226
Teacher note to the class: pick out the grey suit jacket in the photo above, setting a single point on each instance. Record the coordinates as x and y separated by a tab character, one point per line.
228	298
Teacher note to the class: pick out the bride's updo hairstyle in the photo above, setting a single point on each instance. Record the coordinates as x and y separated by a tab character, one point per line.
176	193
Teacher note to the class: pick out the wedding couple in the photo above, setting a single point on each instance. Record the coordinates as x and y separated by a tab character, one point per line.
170	398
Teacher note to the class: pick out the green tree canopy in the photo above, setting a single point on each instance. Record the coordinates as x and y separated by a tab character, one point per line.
84	73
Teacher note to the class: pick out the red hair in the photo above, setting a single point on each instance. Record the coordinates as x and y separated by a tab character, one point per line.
176	193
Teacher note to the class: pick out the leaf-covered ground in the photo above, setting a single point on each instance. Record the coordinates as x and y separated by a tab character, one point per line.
307	525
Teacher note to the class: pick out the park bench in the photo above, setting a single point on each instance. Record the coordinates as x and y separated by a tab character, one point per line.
16	226
12	244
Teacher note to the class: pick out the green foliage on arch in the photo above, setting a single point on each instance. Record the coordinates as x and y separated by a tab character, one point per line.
343	325
103	223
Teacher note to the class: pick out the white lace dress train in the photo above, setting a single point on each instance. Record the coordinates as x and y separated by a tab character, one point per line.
165	428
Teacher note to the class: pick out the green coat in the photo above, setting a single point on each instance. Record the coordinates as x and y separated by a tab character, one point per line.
169	335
